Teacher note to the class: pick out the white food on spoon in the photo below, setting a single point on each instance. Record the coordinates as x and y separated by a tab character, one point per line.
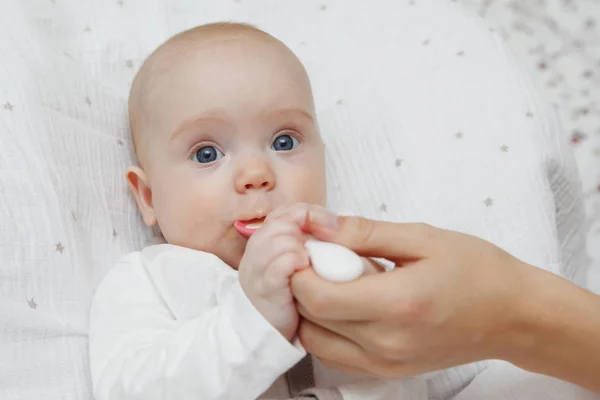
334	262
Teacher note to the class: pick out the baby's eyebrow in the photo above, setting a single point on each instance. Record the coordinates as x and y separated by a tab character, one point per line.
210	118
289	113
217	117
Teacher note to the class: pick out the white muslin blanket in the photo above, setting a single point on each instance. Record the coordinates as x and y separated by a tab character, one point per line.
425	117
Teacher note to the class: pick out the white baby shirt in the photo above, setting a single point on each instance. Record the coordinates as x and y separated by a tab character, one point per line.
173	323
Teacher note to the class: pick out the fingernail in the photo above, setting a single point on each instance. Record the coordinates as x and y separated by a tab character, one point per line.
324	218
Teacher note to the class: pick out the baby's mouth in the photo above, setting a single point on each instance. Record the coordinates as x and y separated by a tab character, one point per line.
247	228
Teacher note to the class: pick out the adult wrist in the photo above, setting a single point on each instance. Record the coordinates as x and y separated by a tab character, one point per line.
556	330
519	315
535	321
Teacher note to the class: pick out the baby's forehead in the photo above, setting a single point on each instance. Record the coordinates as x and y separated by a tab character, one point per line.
187	51
210	40
194	49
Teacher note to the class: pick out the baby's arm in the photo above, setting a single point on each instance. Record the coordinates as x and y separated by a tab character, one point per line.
139	349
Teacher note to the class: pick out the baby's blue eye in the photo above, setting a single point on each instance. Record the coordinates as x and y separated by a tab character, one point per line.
207	154
285	143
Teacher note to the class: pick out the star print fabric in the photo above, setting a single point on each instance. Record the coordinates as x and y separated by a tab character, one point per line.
416	104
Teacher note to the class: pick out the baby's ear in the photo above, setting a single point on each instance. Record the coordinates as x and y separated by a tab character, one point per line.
138	183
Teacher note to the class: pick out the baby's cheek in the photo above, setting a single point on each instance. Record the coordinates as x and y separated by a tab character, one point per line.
309	187
184	214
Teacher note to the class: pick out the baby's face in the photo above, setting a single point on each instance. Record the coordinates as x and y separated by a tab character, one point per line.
230	134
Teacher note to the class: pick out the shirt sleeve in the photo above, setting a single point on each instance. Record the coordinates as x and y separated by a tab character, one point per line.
140	350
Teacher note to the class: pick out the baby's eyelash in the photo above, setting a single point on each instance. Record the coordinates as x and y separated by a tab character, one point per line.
292	132
200	145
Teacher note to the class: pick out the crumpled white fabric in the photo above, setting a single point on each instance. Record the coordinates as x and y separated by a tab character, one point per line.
425	115
170	322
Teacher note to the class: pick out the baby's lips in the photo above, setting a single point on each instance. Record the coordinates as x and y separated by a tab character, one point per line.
247	228
254	224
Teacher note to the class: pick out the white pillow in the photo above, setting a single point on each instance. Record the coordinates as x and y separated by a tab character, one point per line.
423	99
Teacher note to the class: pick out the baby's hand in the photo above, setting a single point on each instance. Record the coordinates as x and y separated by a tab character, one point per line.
272	255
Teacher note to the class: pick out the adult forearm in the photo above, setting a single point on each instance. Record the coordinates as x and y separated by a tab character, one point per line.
561	331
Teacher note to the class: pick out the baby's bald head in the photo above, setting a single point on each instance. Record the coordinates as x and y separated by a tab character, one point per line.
194	45
224	126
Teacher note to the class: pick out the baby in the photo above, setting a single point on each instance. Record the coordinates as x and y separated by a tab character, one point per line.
225	132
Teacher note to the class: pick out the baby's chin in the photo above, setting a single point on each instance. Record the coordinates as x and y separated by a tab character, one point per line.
231	248
230	252
231	257
228	245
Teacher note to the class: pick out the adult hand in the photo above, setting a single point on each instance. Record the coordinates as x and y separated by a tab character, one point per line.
453	299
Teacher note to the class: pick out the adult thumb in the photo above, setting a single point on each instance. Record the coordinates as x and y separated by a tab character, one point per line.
398	242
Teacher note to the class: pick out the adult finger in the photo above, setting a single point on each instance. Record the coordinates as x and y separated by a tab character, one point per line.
328	345
344	353
365	298
397	242
349	369
391	341
352	330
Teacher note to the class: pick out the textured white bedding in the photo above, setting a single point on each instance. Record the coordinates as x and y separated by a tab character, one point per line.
558	43
423	100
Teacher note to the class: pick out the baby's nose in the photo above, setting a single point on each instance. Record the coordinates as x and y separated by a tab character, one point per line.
257	175
258	184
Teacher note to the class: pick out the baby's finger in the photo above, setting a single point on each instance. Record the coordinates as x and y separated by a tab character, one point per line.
280	240
284	210
301	213
287	244
275	228
279	272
